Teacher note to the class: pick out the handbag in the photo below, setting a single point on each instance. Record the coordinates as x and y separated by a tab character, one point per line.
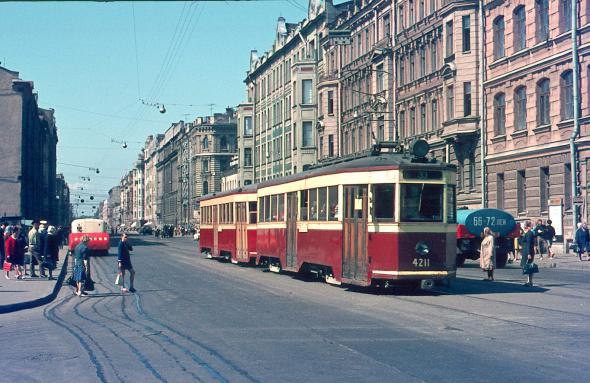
119	280
7	266
530	268
88	284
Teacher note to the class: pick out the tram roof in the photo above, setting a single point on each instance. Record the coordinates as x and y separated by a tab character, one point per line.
248	189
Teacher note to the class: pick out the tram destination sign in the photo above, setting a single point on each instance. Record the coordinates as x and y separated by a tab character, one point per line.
422	174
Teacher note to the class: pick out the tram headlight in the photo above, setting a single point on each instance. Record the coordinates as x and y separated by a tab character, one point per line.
422	249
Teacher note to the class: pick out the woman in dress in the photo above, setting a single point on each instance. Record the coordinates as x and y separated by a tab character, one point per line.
528	252
487	254
81	265
14	254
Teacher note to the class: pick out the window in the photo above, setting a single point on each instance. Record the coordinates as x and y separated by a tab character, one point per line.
519	28
383	202
401	18
498	27
543	102
422	62
422	118
252	209
565	15
434	117
500	190
411	13
205	187
402	123
450	103
544	188
307	134
386	25
412	121
322	204
432	6
421	10
303	205
306	92
520	108
402	70
567	95
521	191
433	57
542	20
380	78
381	128
247	126
330	145
205	166
449	34
421	203
472	173
412	66
500	114
205	143
466	33
467	99
247	156
267	209
567	180
333	203
330	102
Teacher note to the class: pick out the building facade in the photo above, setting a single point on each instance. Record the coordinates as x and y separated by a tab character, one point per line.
167	176
64	207
28	152
150	159
530	93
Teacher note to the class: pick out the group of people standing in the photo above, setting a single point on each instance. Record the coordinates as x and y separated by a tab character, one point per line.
537	240
81	272
41	244
582	241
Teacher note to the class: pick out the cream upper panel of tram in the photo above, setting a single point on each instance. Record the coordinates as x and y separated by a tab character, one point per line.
242	197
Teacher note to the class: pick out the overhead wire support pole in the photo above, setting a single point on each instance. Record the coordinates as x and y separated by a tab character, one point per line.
576	83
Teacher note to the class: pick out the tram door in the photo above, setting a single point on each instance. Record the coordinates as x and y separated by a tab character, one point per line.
355	232
241	231
291	230
215	231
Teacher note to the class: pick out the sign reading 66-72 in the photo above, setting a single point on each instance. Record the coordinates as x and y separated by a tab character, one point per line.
497	220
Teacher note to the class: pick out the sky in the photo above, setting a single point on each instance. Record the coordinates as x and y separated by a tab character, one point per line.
94	61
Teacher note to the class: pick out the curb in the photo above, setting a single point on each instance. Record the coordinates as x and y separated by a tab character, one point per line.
4	309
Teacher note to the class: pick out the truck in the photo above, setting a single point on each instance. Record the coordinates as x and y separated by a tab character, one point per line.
470	225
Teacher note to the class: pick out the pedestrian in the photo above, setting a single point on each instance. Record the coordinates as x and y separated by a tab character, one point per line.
2	250
81	265
541	244
42	244
51	251
487	254
14	255
124	263
528	252
549	237
581	238
34	248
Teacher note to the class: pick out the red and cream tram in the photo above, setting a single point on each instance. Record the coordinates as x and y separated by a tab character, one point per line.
96	230
368	221
228	225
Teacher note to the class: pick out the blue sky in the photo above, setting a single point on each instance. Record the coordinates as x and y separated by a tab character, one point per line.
82	60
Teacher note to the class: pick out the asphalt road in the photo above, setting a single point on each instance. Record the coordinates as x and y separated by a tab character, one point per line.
200	320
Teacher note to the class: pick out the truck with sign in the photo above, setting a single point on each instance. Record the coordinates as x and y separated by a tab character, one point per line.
470	228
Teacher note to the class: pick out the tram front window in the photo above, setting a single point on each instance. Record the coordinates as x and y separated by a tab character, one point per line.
422	203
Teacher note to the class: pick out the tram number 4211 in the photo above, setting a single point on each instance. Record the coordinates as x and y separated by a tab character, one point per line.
421	262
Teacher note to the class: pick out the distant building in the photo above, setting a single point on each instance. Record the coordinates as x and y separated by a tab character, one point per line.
167	175
150	159
27	149
63	206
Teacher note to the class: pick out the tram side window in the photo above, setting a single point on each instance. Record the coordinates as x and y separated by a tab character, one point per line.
281	200
275	207
333	203
451	204
422	203
267	211
383	202
231	213
313	204
303	205
322	204
261	209
252	208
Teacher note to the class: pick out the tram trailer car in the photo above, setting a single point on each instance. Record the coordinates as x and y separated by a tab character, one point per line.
470	228
228	225
96	230
378	220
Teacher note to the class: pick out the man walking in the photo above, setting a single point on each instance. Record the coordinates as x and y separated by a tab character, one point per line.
539	232
124	263
35	248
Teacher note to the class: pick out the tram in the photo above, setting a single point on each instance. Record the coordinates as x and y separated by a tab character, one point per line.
228	225
378	220
96	230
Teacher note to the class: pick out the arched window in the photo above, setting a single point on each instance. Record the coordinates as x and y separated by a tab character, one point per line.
542	19
498	37
543	102
567	95
500	114
565	15
205	187
520	108
205	143
519	28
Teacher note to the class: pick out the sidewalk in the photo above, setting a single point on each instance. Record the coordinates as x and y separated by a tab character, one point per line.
24	294
566	261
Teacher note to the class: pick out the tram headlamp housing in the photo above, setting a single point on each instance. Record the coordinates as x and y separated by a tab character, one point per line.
422	249
419	148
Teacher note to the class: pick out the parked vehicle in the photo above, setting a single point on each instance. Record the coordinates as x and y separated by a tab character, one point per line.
469	233
377	220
